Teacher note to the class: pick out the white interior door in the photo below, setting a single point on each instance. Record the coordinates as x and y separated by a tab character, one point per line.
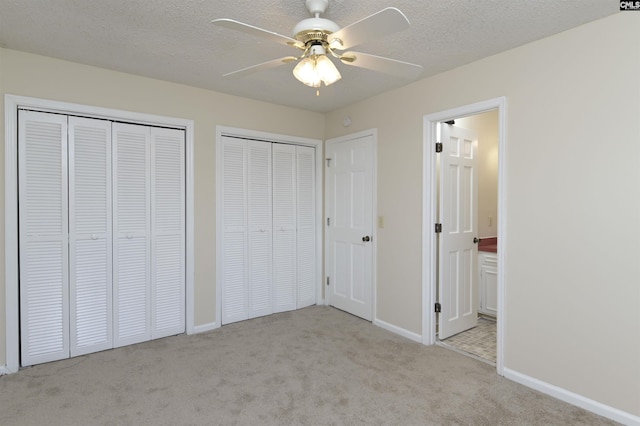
306	221
349	233
284	227
260	230
167	232
90	237
458	291
131	248
43	233
234	256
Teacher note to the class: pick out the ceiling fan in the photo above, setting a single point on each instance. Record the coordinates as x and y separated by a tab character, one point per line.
318	38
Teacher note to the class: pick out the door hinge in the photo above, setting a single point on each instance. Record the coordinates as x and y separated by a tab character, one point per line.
328	160
438	228
328	282
328	221
438	146
438	308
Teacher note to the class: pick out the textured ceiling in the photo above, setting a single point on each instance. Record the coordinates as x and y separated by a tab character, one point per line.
174	40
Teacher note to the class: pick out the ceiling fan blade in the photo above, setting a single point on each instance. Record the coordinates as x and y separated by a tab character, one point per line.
258	32
385	65
387	21
260	67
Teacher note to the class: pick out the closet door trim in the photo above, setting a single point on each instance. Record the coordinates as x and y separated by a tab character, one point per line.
273	138
12	104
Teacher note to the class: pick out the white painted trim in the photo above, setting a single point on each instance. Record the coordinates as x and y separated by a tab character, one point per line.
429	279
398	330
374	212
190	239
277	138
4	370
11	234
203	328
12	103
573	398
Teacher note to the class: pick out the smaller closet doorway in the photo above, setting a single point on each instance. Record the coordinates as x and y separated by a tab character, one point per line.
12	105
268	223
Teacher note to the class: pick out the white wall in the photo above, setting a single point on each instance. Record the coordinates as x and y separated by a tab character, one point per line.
573	127
485	126
30	75
573	201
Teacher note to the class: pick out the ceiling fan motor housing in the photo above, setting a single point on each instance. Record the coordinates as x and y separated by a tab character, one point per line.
314	29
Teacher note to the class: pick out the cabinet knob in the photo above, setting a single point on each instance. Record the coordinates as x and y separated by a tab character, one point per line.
366	239
94	236
476	240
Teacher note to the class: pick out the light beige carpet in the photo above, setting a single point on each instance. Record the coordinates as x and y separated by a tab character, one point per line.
313	366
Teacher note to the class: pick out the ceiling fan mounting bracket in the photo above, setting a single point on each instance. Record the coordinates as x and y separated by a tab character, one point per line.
317	7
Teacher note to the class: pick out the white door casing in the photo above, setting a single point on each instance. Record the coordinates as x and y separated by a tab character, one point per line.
458	295
13	107
350	211
430	195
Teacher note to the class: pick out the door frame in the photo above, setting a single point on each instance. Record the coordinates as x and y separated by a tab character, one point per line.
11	105
429	214
373	133
273	138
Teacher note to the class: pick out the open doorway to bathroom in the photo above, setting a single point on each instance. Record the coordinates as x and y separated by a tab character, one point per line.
448	311
471	188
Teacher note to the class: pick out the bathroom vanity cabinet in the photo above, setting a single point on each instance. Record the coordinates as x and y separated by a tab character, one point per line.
488	269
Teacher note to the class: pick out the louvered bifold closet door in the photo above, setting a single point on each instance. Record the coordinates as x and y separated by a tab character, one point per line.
167	232
43	233
90	235
284	227
235	295
260	229
131	228
306	225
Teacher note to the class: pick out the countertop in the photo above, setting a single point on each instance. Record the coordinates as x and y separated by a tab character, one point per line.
488	244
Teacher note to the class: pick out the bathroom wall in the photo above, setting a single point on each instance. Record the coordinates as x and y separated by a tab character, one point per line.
486	127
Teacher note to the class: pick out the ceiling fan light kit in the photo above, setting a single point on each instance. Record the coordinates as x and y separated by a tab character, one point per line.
319	37
316	68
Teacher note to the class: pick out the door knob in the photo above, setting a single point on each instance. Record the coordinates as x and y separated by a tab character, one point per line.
367	238
476	240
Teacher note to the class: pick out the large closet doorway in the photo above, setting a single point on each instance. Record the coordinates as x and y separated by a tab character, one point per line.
268	224
99	235
101	232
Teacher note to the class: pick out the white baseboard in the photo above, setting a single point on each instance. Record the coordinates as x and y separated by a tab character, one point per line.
205	327
573	398
4	370
398	330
